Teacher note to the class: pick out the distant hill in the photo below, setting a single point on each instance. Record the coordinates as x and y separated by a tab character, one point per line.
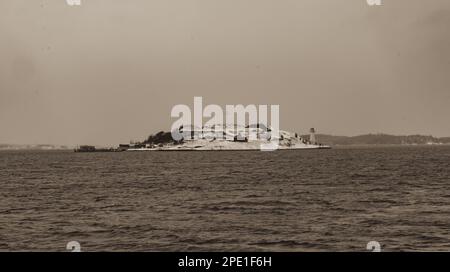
380	139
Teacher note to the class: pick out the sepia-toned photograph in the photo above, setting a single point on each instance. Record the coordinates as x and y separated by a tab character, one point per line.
238	126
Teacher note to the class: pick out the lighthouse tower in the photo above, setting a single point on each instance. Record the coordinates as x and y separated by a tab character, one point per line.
312	136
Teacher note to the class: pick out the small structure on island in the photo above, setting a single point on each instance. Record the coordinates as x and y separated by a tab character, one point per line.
86	148
123	147
312	136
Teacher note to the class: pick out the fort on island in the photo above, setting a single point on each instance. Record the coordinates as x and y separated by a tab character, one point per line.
225	138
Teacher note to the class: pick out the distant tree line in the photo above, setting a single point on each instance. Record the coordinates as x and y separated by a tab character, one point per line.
378	139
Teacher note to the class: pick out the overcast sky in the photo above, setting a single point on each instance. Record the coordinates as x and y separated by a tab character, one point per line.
111	70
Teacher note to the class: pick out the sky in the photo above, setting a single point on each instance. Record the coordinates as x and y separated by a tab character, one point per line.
110	71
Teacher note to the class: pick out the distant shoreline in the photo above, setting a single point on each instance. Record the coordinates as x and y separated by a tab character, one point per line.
367	140
348	146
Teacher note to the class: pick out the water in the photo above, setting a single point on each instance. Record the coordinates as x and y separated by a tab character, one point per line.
316	200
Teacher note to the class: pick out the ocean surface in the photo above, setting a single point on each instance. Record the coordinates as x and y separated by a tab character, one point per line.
303	200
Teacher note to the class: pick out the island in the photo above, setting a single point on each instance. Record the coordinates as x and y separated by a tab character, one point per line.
226	138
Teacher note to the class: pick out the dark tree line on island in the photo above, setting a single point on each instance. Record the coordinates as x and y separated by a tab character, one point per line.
160	138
